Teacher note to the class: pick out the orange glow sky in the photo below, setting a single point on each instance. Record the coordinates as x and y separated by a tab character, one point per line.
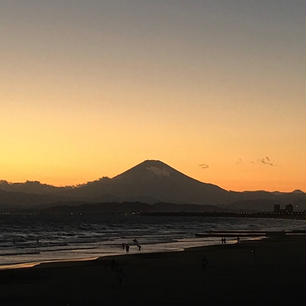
91	88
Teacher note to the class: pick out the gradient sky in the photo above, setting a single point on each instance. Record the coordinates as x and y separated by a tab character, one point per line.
214	88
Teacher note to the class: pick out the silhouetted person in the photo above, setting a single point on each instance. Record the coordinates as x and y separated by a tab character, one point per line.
204	262
238	239
127	248
224	240
253	254
137	244
120	276
123	246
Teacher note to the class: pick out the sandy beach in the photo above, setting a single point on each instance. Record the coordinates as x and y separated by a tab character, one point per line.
267	272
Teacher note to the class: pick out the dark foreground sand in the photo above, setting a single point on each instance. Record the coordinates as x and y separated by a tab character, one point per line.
233	275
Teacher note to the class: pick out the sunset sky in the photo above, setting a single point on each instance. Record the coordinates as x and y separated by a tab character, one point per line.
214	88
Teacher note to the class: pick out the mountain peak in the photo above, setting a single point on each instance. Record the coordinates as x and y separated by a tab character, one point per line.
152	162
150	167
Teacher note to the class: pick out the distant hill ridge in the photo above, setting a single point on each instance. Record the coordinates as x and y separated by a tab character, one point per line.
151	181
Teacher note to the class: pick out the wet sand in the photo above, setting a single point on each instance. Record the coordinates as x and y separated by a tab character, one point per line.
267	272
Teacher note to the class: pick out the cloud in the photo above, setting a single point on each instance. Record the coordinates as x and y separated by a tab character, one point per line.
204	166
266	161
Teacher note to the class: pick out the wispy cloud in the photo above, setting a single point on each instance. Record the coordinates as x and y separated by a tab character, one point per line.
266	161
203	166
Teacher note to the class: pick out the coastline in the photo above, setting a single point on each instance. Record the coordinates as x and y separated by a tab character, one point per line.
175	248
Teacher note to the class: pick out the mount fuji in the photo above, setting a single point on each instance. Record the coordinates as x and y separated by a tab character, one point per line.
151	181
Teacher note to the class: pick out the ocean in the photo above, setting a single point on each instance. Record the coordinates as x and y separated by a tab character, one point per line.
27	240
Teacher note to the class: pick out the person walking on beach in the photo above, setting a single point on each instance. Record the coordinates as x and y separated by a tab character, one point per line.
137	244
253	254
127	248
204	263
123	246
120	276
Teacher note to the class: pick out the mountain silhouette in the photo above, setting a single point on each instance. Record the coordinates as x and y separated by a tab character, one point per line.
154	181
151	181
30	187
